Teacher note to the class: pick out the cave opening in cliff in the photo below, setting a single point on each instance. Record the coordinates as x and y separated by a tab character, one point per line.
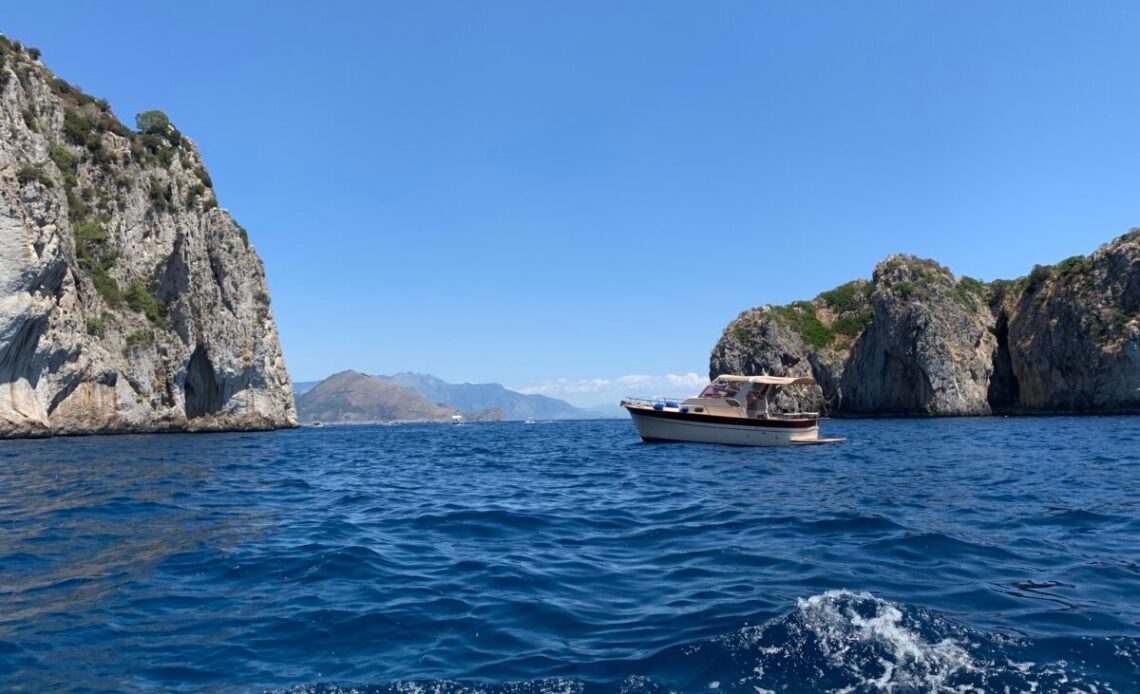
1004	392
203	392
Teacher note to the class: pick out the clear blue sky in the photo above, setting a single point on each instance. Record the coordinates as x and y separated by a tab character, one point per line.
529	191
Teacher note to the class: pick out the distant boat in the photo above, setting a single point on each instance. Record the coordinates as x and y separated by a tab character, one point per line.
456	419
733	410
530	420
317	424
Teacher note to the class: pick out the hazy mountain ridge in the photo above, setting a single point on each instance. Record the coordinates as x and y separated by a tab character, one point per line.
478	396
351	397
302	387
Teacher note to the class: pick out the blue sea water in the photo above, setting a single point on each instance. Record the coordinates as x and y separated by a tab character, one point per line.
950	555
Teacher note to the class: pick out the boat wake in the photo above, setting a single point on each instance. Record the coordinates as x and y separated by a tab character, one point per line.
844	643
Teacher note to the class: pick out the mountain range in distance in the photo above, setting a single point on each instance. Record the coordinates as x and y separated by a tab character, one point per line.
351	396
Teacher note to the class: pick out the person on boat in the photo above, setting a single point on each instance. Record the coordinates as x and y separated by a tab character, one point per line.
757	402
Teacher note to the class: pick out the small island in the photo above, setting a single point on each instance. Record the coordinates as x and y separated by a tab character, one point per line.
918	341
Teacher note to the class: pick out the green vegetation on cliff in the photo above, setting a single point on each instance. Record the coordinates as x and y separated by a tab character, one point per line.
91	151
851	303
970	293
1072	265
93	253
157	139
65	162
801	317
98	326
33	172
854	323
140	299
848	313
838	316
851	296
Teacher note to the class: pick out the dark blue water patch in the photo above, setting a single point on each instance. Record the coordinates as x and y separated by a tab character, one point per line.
922	555
841	642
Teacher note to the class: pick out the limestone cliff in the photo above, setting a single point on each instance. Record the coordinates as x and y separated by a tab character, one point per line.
129	301
1069	334
929	348
916	340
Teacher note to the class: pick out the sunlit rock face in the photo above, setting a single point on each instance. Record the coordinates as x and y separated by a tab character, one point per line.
929	349
918	341
129	301
1069	335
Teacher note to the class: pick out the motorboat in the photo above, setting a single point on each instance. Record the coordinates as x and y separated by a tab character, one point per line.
733	410
530	420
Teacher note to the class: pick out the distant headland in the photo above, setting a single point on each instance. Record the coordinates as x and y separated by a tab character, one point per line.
918	341
351	397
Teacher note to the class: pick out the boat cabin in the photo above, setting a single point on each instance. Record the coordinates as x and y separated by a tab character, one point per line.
733	410
744	396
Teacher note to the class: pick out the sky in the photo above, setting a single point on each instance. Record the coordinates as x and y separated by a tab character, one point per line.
575	198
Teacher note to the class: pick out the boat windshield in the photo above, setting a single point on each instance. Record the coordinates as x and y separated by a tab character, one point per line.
715	391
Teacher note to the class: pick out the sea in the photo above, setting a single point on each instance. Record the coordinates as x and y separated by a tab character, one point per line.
921	555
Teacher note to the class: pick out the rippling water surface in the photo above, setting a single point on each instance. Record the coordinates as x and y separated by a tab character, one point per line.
923	555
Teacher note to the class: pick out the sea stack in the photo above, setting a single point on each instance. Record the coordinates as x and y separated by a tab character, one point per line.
129	300
916	340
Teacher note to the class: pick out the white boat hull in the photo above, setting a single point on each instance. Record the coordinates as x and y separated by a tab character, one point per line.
655	426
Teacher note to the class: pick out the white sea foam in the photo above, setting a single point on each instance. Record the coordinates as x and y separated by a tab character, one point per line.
848	642
839	642
880	650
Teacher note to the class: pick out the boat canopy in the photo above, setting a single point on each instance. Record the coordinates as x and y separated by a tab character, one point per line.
771	380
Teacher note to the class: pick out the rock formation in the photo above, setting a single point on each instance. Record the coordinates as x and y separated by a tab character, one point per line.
1069	335
916	340
129	301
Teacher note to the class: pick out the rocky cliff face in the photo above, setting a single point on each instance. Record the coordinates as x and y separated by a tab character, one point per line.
929	347
1069	334
916	340
129	301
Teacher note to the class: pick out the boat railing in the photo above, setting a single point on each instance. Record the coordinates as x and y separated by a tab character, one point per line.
792	415
654	401
660	403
